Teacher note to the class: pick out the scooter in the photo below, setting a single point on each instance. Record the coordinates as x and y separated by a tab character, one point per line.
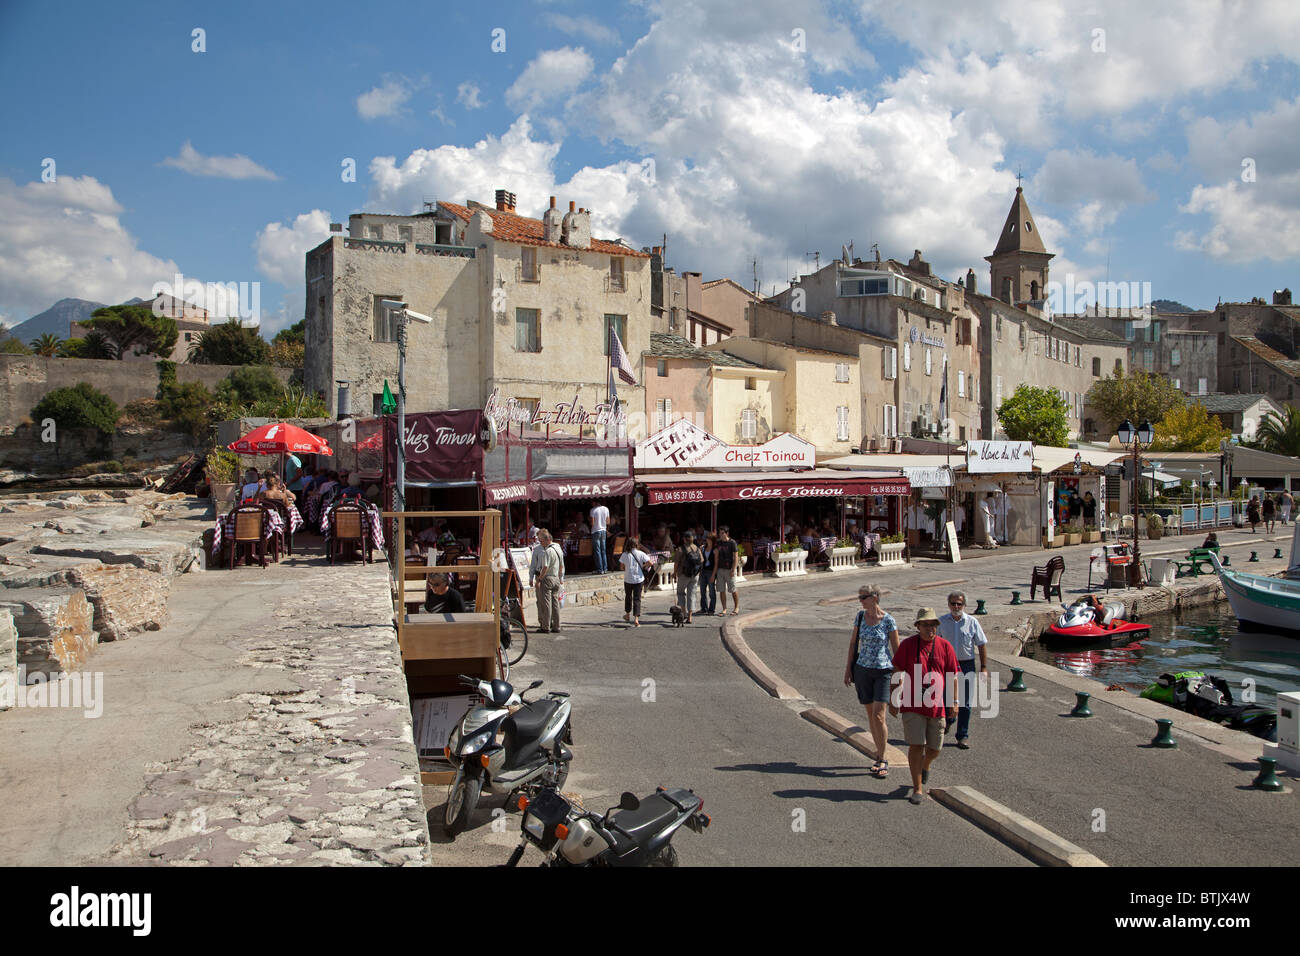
532	749
640	833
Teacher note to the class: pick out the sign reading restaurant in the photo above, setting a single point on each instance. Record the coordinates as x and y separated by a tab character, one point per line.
682	444
992	457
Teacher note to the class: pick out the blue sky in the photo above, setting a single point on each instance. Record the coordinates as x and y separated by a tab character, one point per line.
763	131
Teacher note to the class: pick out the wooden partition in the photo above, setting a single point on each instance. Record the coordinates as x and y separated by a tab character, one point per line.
436	648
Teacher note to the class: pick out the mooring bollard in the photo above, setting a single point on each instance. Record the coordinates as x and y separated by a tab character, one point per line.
1254	556
1277	552
1015	597
979	606
1163	737
1267	778
1227	561
1081	708
1017	680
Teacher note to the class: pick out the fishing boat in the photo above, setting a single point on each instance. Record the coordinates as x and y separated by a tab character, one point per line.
1271	603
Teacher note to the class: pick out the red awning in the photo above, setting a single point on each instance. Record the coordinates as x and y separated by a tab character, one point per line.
554	489
773	489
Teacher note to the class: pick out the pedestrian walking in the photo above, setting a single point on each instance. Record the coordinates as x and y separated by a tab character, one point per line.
964	633
1287	503
987	514
870	667
687	562
547	574
636	564
1252	513
708	586
728	559
1270	511
925	696
599	536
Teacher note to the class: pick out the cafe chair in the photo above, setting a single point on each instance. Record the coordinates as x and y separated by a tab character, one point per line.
584	551
247	533
285	536
1048	577
347	528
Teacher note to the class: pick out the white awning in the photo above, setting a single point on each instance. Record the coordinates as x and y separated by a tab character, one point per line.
1049	459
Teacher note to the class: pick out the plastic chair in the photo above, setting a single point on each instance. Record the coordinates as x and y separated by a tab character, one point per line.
1048	577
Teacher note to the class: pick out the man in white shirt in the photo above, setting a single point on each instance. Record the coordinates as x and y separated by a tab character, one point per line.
967	638
547	573
253	486
599	534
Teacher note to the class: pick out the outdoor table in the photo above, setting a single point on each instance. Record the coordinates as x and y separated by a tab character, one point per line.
271	523
370	518
765	552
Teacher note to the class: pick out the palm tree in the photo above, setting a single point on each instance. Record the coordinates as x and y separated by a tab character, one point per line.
46	344
98	346
1280	435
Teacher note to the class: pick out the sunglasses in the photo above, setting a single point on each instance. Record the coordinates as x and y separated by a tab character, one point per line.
956	603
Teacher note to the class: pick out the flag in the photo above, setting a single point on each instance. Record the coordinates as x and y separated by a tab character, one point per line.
618	359
389	403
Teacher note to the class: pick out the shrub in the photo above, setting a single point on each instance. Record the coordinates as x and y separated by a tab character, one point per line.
1155	522
81	406
187	407
250	385
166	377
223	464
230	344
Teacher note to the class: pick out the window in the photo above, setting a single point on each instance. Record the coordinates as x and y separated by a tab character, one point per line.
189	335
661	368
663	413
889	363
404	233
929	363
907	356
748	423
616	273
1178	384
528	331
528	263
619	324
530	405
961	384
1078	357
1200	387
1128	331
377	403
672	320
1119	366
998	323
841	371
1023	335
889	421
842	423
1236	378
374	232
385	322
1006	290
1096	367
855	287
751	383
1175	357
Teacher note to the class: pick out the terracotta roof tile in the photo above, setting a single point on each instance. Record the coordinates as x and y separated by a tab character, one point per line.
508	227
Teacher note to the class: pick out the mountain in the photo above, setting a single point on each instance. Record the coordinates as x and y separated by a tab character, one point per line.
1169	305
56	319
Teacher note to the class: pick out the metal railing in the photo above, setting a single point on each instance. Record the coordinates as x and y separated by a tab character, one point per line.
437	249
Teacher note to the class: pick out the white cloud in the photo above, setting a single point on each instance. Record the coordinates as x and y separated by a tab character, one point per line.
1247	222
587	27
467	94
238	166
1100	187
64	239
385	100
551	75
281	250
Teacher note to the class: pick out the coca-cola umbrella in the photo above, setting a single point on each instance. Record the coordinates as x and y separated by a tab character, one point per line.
279	438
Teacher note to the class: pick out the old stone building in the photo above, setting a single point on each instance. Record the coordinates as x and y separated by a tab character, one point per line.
521	307
740	401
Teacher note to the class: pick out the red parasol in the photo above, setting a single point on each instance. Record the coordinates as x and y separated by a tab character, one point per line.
277	438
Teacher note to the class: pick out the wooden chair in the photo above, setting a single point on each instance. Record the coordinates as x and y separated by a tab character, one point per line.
248	526
347	527
287	534
279	539
1049	578
584	551
467	582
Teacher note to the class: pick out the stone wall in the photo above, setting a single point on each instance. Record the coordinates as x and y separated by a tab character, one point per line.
24	380
8	657
55	627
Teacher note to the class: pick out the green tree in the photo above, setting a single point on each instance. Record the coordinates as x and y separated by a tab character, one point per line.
134	329
72	348
1280	435
1188	427
230	344
81	406
1038	415
250	385
287	354
11	346
188	407
1138	397
294	333
46	345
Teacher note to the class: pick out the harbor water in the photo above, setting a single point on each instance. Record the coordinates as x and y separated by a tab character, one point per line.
1202	639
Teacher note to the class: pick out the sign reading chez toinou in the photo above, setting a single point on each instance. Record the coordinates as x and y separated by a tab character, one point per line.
683	444
992	457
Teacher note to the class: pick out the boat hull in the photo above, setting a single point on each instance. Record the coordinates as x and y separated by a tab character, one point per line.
1121	633
1272	604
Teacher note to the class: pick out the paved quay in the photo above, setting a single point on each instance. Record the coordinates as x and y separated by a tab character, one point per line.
266	723
1093	784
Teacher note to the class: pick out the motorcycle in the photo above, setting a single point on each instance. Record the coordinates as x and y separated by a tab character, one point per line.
532	750
640	833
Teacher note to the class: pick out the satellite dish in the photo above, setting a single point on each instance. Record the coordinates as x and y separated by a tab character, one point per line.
488	434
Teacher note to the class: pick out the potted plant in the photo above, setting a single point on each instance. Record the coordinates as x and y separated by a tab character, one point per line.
743	559
222	469
844	555
891	549
1073	534
1155	526
1058	539
1091	533
791	560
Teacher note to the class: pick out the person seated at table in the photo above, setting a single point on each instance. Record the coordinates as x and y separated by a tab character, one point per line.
276	491
442	598
252	487
353	489
330	483
1211	541
446	539
662	540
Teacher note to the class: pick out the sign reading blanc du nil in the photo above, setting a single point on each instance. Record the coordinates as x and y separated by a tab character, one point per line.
990	457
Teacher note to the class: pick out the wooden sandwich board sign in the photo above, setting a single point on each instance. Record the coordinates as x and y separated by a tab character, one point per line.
950	529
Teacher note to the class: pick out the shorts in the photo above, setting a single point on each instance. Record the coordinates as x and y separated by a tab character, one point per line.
872	683
724	579
920	730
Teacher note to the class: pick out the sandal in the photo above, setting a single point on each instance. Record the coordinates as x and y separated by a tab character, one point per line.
881	769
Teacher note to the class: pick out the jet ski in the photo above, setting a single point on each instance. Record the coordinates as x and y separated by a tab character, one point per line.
1210	697
1079	625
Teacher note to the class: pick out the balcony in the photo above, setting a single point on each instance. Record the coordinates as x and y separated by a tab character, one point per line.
455	252
378	245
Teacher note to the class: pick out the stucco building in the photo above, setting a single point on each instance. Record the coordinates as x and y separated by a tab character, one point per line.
739	401
520	307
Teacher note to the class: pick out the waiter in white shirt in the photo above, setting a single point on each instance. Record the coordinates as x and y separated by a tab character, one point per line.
599	534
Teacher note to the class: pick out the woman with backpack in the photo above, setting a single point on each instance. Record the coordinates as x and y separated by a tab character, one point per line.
870	667
688	561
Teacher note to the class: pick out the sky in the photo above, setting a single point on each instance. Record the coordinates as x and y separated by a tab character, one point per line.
1157	142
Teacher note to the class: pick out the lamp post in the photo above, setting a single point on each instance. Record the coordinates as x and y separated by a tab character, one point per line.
1139	437
403	315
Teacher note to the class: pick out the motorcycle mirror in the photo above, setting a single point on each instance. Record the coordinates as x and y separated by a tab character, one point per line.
536	684
628	801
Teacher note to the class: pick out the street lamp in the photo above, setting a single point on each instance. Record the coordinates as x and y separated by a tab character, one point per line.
403	315
1142	436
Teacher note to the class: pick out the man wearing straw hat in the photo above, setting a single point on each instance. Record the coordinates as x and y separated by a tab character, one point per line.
925	674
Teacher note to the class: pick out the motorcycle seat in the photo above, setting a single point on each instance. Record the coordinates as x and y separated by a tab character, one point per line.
527	722
631	828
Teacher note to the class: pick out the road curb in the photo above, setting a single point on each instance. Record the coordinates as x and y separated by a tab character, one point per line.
852	734
1035	841
764	676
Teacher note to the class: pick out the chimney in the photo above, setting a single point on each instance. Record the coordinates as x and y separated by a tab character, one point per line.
579	232
505	201
1282	298
970	281
336	227
551	223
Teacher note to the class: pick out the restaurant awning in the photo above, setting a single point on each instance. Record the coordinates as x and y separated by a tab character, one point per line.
1049	459
770	486
555	489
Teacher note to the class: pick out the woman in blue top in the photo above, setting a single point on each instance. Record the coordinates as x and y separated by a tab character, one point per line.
871	665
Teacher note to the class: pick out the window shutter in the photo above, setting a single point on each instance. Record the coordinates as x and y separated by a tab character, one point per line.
668	411
961	384
907	356
929	363
842	423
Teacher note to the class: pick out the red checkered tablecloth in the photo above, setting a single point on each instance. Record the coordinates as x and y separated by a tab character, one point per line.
271	524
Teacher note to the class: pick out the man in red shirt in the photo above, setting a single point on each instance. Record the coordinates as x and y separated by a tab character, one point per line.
925	681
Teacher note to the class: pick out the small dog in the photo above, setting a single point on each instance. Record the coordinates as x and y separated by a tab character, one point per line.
679	615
